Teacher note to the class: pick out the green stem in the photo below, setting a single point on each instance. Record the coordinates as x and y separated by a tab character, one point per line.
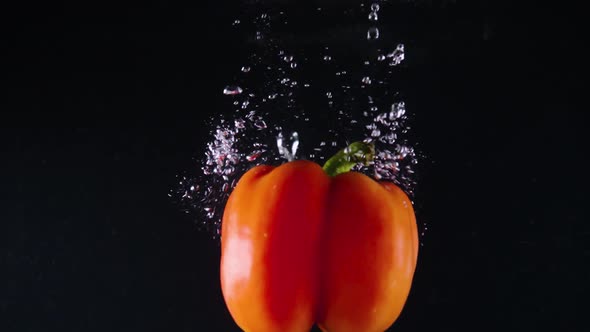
344	160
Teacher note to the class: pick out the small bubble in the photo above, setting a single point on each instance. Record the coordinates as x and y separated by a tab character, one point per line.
373	16
327	58
263	16
236	22
373	33
260	124
381	57
293	65
253	156
245	104
306	85
232	90
288	58
240	123
366	80
245	69
329	94
272	96
375	7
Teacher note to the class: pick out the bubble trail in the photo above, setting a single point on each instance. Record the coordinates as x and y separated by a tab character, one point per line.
266	118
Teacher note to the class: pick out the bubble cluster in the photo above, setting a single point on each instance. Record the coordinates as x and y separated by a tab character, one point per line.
267	123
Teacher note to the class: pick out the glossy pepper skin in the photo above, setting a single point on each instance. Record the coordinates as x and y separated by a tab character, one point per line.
299	247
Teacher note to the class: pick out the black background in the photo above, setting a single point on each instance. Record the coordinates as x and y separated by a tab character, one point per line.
89	240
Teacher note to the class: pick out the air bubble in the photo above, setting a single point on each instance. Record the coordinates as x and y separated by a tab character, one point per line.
232	90
397	56
373	33
260	124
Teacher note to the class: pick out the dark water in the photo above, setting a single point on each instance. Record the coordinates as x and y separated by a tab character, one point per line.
89	240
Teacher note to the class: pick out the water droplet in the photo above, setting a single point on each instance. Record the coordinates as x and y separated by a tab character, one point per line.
225	187
373	16
366	80
245	69
375	7
232	90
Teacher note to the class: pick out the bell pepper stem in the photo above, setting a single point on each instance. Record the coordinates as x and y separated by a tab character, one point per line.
344	160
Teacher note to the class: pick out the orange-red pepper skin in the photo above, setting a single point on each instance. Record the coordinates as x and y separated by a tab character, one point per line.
299	247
